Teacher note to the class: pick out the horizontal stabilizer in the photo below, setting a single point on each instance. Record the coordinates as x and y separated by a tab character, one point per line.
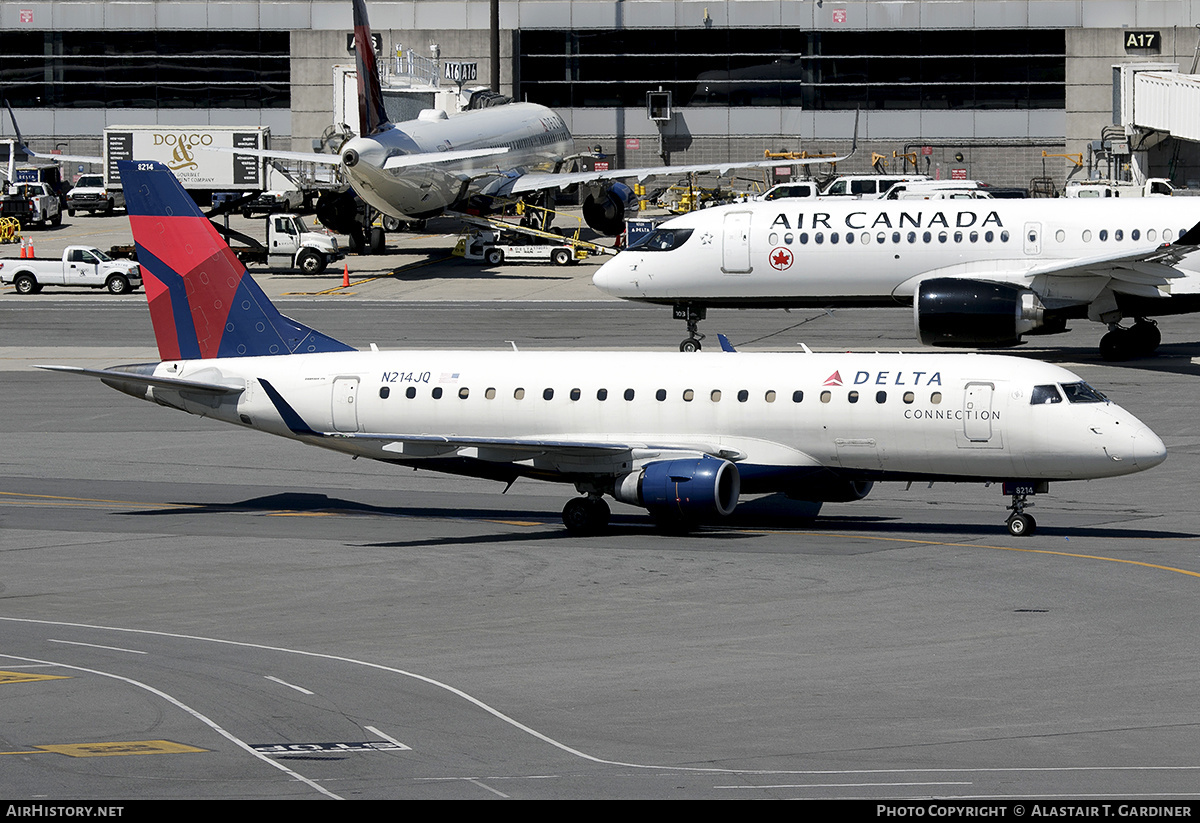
178	383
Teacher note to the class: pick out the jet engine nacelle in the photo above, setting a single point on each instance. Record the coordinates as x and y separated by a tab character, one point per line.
950	311
688	489
831	491
340	211
606	209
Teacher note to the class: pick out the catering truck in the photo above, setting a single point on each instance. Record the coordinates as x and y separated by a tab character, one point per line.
188	151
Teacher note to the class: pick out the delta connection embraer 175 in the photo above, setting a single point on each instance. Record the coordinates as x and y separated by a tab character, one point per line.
679	435
977	272
473	160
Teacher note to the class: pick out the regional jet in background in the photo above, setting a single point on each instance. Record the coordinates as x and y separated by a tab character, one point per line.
474	161
976	272
682	436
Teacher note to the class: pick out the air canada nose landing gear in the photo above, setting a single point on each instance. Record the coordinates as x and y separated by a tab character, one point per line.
693	315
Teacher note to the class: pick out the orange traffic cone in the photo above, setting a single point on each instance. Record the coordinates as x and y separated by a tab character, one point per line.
30	255
23	255
346	276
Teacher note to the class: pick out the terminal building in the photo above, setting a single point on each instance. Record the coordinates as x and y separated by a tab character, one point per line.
1007	91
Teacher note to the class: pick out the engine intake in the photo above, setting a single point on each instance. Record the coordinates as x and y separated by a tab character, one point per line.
950	311
605	210
683	489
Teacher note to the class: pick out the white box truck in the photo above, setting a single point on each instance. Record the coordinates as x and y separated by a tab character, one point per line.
186	151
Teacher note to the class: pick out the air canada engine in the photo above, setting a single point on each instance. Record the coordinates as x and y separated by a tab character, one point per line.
686	489
950	311
605	210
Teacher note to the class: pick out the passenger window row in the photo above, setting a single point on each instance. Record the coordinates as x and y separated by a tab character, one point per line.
688	395
1117	235
866	238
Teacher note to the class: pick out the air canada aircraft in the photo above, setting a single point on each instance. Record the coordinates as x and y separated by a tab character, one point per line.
976	272
470	161
682	436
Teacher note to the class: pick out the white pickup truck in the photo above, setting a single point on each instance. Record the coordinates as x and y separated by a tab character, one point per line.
32	203
91	195
80	266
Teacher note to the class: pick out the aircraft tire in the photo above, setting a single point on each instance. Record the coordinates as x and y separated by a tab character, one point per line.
1115	345
1021	525
70	212
1145	337
691	344
117	284
391	224
584	516
376	239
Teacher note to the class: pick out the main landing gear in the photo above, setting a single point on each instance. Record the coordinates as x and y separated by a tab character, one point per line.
1019	523
585	516
693	315
1139	340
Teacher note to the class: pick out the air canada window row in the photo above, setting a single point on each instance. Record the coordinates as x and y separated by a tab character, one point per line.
661	395
865	238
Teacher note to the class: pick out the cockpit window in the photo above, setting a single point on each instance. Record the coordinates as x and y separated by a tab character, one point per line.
1045	394
1082	393
663	240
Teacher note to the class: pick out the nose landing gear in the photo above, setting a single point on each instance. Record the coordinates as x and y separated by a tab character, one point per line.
1019	523
692	315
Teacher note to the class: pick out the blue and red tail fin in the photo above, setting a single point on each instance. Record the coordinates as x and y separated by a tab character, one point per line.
203	303
371	115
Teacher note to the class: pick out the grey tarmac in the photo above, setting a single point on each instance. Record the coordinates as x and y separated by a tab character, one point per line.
295	624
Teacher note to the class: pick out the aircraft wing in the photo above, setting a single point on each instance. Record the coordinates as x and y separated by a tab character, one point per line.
1145	271
537	181
399	161
65	158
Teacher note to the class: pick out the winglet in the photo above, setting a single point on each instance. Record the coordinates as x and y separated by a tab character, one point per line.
725	344
203	302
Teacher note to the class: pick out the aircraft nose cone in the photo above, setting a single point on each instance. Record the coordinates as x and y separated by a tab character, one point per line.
606	277
1148	449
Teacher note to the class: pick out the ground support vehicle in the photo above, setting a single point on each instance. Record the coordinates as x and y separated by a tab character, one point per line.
32	203
495	247
289	245
79	266
533	239
91	195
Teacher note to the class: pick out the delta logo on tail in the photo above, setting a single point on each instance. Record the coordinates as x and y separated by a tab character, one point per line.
202	303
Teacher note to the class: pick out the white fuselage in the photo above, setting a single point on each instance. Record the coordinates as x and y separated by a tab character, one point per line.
537	139
875	252
777	416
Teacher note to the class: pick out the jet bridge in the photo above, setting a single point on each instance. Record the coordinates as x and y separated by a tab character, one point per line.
1151	102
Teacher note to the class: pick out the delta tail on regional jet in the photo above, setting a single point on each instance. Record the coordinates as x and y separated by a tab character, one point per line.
681	435
976	272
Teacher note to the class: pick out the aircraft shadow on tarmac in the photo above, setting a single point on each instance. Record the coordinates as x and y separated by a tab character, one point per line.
1172	358
773	513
